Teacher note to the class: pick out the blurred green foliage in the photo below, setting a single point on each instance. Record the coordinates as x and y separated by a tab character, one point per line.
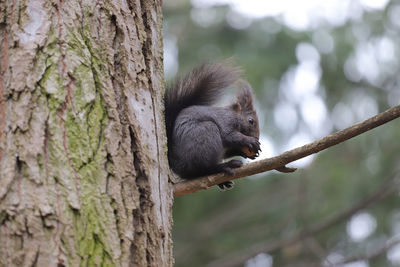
211	225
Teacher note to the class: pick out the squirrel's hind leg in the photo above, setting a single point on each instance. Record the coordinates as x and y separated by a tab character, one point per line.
227	167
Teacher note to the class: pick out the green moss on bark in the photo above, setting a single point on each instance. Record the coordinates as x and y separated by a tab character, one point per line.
77	117
85	124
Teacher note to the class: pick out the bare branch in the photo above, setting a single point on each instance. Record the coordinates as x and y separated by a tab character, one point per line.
371	254
238	259
279	162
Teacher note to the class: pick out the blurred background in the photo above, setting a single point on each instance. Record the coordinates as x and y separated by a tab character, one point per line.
316	67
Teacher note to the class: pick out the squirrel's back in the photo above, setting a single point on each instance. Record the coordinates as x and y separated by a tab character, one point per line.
202	86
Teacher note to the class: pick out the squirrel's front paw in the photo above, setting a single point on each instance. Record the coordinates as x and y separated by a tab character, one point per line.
254	147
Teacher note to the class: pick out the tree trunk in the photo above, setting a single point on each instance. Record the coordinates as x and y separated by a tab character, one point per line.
83	169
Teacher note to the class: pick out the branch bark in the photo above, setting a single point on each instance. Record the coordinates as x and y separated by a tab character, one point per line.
279	162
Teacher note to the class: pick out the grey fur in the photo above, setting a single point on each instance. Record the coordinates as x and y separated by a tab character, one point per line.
200	135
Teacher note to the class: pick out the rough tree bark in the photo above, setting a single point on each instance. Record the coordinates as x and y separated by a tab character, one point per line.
83	172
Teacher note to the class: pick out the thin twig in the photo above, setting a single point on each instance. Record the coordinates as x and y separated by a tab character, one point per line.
371	254
237	259
278	162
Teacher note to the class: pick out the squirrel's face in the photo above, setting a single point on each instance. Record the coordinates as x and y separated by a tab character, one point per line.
250	125
246	111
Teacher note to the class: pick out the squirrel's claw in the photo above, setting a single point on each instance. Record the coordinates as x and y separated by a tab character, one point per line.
254	146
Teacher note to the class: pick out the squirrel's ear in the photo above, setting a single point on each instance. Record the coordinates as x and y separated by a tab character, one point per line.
236	107
244	95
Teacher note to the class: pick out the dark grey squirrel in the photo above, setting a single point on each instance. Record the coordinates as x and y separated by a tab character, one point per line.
201	135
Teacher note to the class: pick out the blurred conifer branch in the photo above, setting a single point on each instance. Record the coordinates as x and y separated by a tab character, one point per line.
390	186
279	162
369	255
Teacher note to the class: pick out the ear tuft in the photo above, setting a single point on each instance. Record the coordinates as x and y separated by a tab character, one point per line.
244	95
236	107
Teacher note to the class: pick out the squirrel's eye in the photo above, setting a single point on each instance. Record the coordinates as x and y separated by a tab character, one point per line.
251	120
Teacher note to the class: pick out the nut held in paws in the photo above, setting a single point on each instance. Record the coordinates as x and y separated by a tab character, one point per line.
247	152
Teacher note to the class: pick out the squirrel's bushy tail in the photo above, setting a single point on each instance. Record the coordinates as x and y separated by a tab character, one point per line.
202	86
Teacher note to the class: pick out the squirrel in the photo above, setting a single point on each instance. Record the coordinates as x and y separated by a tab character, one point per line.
201	135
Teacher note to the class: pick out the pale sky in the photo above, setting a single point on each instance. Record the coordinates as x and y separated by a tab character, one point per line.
300	14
